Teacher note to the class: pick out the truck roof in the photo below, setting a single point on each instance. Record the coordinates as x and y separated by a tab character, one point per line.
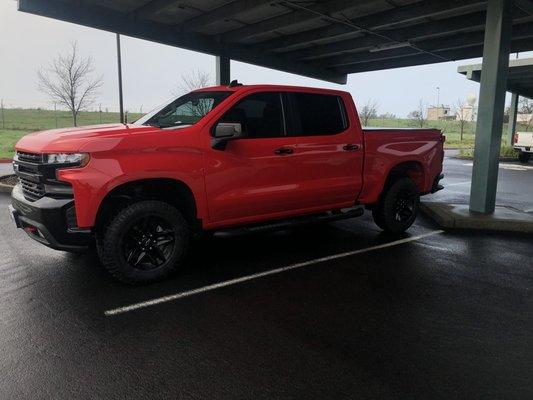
272	88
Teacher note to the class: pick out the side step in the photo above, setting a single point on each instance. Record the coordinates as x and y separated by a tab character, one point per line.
293	222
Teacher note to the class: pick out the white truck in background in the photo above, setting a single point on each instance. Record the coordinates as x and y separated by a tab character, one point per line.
523	143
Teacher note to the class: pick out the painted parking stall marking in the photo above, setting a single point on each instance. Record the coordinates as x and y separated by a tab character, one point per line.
513	167
231	282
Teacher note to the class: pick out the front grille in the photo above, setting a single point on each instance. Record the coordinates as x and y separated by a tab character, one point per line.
31	190
30	157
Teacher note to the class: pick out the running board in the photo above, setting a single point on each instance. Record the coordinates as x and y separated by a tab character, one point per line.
294	222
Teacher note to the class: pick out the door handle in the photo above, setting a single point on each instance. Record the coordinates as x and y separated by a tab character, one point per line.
350	147
283	150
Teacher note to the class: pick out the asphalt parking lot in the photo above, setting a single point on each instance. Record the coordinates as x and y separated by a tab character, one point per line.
330	311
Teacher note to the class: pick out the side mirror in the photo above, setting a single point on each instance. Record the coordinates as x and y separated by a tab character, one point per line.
224	132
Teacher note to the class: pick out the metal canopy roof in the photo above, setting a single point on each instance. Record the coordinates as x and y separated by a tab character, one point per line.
320	39
519	77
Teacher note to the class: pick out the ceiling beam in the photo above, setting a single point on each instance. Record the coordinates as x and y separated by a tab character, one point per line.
441	27
519	45
436	45
150	8
228	10
381	20
525	5
294	17
113	21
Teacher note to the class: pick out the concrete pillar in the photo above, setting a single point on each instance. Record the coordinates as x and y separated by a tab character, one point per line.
491	103
222	70
512	117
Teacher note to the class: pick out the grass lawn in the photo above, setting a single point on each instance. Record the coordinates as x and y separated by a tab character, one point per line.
8	138
19	122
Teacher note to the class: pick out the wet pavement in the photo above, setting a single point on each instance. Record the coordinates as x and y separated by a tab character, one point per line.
429	315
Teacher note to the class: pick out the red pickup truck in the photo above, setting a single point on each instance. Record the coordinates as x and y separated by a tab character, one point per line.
248	157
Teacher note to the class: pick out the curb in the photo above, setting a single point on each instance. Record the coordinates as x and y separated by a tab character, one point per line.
3	187
457	217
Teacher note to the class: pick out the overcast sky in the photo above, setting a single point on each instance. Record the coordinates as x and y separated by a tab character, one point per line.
152	71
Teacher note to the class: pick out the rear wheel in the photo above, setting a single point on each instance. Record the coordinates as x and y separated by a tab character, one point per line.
524	157
144	242
398	207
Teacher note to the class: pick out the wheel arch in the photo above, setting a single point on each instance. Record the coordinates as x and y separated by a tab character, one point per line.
171	191
407	169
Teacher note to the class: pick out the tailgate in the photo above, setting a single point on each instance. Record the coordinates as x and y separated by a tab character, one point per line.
524	139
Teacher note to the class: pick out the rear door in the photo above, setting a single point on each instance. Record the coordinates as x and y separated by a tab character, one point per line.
254	177
328	149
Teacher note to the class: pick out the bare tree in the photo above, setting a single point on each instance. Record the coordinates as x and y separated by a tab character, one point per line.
68	81
369	111
387	115
461	115
526	108
192	80
418	115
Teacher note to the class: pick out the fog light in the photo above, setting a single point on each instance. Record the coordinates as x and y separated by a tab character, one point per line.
31	229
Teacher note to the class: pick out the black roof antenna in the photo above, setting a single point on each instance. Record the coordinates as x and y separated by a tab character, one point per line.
234	83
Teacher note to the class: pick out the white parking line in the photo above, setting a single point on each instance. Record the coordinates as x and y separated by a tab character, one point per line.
512	167
455	184
166	299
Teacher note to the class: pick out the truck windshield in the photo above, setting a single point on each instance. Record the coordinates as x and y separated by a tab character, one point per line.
184	111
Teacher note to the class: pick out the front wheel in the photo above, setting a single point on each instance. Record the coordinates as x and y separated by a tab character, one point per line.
524	157
144	242
398	207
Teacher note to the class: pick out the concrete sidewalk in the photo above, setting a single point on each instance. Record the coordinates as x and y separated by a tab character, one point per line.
6	169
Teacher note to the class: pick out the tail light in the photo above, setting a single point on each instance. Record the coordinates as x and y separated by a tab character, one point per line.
515	138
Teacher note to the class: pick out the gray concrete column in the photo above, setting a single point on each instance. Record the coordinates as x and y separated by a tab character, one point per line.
222	70
491	103
513	110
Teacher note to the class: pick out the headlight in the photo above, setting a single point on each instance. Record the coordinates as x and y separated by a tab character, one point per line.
72	159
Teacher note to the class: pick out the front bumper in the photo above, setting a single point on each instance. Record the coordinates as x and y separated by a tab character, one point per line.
524	149
49	221
436	185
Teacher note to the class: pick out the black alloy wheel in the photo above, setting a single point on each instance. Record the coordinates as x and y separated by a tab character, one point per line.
149	242
405	205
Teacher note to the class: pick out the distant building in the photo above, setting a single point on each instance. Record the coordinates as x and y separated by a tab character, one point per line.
436	113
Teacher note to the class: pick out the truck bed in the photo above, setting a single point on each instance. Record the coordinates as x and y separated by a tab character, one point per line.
386	148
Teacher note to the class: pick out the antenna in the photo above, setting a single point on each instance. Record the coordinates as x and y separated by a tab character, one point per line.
234	83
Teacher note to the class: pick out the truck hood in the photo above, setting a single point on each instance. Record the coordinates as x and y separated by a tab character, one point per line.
73	139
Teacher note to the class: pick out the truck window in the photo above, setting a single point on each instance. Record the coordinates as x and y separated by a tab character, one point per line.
318	114
185	110
260	115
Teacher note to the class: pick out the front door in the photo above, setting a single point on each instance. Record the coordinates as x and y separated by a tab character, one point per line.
253	178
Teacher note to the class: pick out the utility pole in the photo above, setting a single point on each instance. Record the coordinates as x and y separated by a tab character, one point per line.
100	112
55	114
3	119
119	63
438	96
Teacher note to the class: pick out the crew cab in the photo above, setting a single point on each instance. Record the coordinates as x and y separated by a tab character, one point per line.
523	144
221	158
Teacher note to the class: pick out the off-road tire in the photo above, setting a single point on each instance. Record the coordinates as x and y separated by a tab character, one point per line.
524	157
112	240
402	195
